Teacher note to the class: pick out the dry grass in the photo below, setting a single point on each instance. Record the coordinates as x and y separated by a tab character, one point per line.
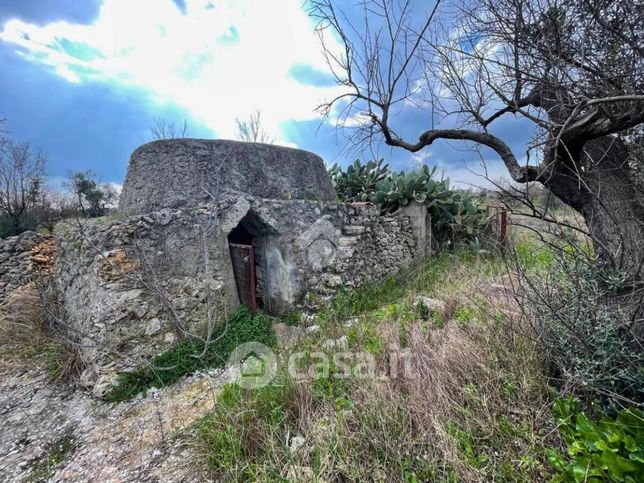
22	326
476	409
26	339
466	414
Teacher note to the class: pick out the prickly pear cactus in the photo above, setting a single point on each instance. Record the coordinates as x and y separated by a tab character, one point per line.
457	216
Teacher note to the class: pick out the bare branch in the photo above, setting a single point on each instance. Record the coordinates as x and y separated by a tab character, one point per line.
163	128
251	130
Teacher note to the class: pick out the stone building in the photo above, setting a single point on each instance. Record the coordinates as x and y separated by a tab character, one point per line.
206	225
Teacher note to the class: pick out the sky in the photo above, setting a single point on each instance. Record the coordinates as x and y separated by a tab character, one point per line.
85	80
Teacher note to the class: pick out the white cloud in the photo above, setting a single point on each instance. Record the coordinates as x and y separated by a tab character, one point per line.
421	157
218	62
66	73
117	187
482	174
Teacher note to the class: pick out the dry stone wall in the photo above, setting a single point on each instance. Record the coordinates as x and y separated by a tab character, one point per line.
315	249
130	287
16	262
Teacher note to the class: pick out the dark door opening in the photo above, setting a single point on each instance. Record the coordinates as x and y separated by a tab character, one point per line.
243	258
244	241
240	234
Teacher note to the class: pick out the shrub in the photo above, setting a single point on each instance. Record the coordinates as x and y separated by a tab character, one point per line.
10	227
293	318
422	310
62	361
584	327
189	355
606	450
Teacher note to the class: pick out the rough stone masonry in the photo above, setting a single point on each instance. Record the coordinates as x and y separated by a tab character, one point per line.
183	173
132	284
19	258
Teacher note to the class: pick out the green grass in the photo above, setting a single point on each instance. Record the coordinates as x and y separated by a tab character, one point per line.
62	360
437	320
532	255
247	435
364	429
465	315
182	358
56	453
386	297
292	318
190	355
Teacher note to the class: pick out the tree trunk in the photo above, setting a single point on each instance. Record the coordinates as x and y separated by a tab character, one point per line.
598	183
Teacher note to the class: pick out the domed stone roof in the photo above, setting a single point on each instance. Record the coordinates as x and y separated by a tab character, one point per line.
183	173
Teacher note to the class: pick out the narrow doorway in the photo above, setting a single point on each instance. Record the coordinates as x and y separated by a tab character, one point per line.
245	242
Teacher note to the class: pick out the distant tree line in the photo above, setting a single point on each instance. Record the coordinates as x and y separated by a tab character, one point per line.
27	203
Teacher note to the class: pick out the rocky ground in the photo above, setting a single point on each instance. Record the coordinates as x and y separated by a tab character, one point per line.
57	431
53	432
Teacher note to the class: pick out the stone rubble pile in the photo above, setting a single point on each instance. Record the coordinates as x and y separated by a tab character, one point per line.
41	257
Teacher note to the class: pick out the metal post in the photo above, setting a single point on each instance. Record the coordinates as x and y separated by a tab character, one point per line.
502	227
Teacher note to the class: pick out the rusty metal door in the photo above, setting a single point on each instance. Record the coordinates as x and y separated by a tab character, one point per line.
243	258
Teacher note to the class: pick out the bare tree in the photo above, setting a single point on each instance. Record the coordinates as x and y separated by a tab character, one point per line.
251	130
574	69
54	205
3	139
162	128
22	174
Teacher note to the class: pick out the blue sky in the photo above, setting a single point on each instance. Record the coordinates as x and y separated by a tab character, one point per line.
84	81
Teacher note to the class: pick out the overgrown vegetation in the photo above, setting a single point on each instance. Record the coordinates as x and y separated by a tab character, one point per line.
26	337
582	315
192	354
583	324
609	449
482	404
460	417
457	216
22	326
249	428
